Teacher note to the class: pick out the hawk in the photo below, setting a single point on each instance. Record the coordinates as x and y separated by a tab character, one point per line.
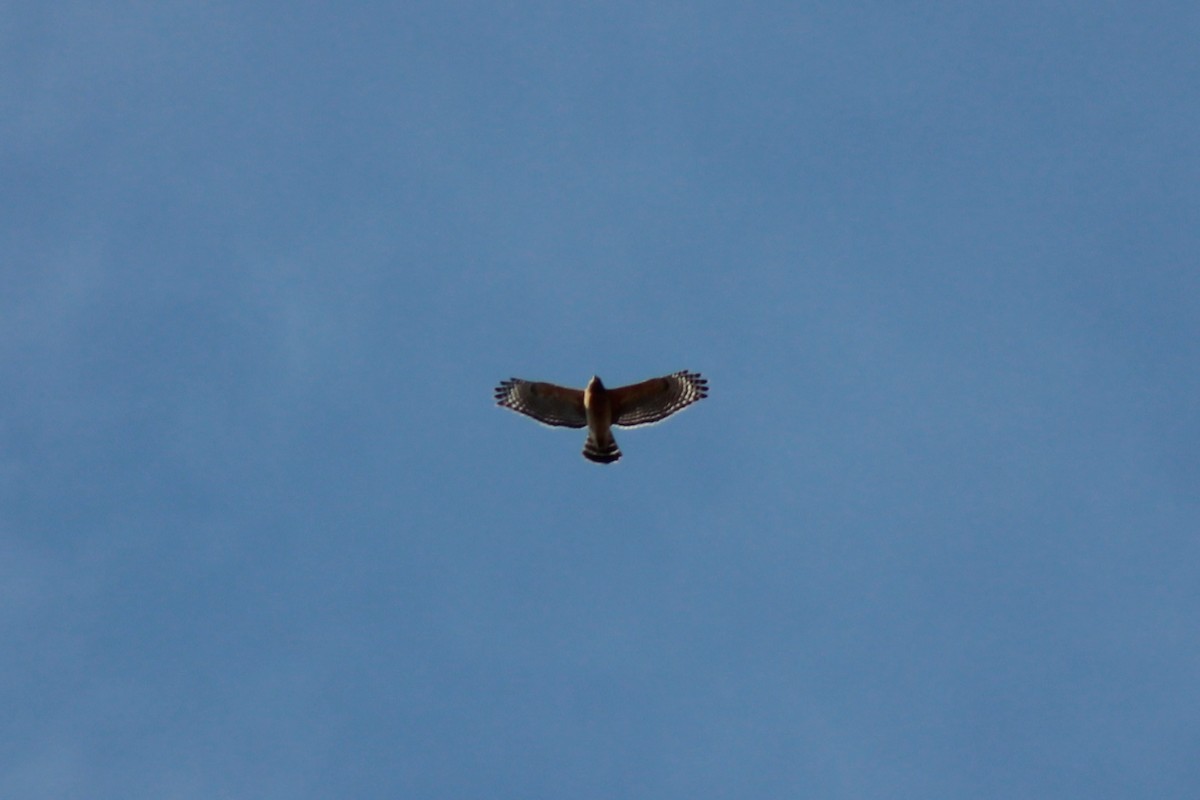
598	408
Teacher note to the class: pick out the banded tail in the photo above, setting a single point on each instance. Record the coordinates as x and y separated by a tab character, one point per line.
602	452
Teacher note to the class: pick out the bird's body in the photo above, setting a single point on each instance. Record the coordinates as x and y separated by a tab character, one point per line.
600	446
598	408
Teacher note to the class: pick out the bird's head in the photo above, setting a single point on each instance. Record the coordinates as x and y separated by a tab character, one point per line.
595	383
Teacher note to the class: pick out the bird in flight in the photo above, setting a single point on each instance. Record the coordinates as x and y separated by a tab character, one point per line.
599	408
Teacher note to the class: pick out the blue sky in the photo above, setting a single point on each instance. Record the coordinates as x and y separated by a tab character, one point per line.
263	532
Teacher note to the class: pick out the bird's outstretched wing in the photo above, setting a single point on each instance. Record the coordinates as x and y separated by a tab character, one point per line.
545	402
656	399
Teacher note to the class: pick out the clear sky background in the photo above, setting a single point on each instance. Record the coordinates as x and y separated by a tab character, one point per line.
263	533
